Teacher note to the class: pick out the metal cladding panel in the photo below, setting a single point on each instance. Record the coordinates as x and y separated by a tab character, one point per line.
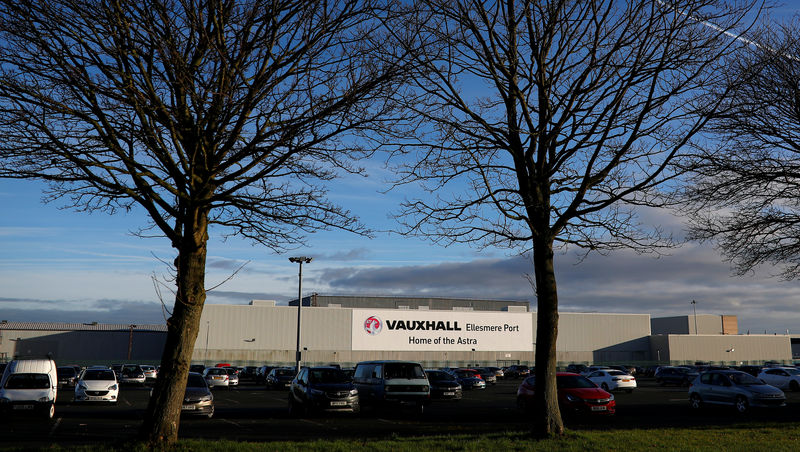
248	327
728	348
589	332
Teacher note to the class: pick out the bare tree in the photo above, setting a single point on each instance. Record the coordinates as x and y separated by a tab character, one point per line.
206	114
540	124
745	193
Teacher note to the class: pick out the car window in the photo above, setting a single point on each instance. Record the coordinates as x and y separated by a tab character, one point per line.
744	379
284	372
91	374
196	381
327	376
574	381
793	371
707	378
28	381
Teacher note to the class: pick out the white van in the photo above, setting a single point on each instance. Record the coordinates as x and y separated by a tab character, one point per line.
29	385
392	383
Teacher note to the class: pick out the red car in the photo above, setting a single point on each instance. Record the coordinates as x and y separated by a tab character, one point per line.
576	394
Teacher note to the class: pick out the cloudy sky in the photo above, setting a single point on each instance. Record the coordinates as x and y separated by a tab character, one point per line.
60	265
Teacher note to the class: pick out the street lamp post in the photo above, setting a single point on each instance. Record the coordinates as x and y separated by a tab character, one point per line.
299	260
694	308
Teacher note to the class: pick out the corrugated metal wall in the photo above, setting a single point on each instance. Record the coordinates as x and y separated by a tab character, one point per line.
729	349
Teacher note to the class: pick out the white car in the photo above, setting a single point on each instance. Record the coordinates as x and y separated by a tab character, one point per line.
781	377
150	372
97	385
613	380
216	376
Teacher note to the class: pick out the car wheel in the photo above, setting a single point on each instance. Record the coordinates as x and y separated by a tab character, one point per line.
695	402
741	405
794	386
604	387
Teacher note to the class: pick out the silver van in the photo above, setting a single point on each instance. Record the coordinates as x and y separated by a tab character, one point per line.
29	385
392	383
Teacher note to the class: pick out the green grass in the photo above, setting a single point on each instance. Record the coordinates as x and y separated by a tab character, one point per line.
745	438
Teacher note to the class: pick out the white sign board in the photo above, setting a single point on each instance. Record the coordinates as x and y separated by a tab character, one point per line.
404	330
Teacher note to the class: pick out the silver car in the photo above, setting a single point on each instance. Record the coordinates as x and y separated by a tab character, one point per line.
216	376
735	388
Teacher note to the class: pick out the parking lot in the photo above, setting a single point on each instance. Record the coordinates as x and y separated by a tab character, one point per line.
251	413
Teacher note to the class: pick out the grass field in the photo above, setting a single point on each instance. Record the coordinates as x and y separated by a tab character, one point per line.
745	437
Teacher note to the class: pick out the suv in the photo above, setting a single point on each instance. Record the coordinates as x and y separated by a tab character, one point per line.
397	383
322	389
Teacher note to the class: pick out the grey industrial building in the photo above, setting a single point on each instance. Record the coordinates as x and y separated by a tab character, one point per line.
435	331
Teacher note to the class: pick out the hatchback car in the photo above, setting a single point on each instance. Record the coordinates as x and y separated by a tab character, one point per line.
735	388
97	385
132	374
613	380
198	399
488	375
233	376
322	389
216	377
468	379
150	372
576	395
280	377
444	386
781	377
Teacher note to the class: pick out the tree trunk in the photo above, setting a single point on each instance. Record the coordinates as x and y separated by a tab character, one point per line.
162	418
547	415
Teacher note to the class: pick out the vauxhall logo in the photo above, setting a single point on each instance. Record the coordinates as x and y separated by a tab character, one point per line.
373	325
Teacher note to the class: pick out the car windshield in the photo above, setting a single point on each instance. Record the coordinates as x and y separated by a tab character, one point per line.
573	381
327	376
403	370
793	371
743	379
195	381
98	375
28	381
439	376
284	372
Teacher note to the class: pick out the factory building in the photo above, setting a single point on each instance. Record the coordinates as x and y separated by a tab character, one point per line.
435	331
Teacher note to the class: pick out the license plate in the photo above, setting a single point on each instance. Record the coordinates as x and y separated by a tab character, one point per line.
188	407
449	393
338	403
599	408
625	381
23	407
217	378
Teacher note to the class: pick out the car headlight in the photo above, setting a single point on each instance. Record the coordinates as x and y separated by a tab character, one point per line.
207	398
572	398
5	400
316	392
112	387
610	397
354	391
44	399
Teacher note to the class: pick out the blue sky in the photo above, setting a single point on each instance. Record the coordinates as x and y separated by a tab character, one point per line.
61	265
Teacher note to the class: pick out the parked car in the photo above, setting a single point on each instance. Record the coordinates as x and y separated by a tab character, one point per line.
680	376
322	389
198	368
150	372
392	383
781	377
488	375
577	368
576	395
216	377
198	399
591	369
248	373
613	380
498	372
131	374
280	377
444	386
29	385
735	388
233	376
468	379
261	374
66	376
97	385
517	371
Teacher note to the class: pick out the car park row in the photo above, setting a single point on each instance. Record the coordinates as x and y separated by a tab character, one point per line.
396	384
